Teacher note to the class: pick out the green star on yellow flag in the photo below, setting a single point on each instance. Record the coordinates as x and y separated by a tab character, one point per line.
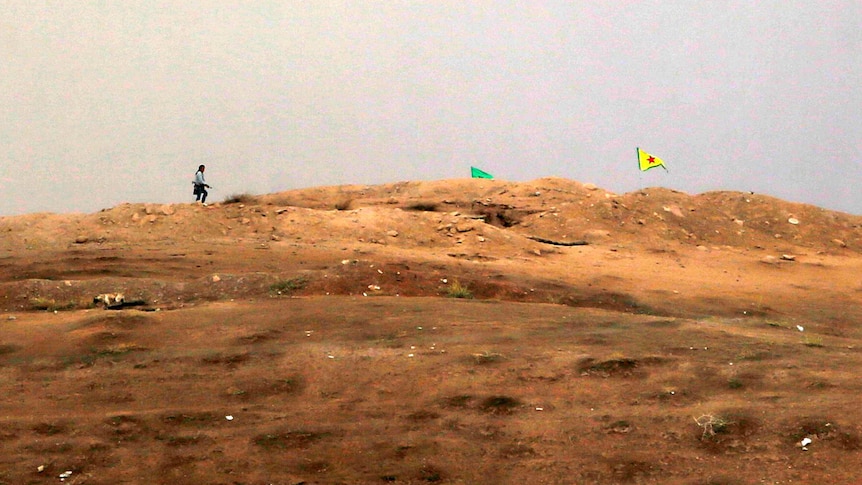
647	161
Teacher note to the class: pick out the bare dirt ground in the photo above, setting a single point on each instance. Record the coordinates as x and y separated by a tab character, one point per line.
459	331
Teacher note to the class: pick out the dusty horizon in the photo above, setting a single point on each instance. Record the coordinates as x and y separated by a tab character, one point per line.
107	103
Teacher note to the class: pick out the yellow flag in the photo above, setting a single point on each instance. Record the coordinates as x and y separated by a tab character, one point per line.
647	161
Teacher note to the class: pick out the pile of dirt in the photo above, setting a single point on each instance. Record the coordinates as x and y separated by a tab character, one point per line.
456	331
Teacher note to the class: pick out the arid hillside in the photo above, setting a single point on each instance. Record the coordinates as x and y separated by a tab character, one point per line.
457	331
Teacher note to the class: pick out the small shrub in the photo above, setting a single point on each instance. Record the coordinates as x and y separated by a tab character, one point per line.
430	473
457	290
621	427
819	427
711	425
422	207
344	205
287	286
499	404
50	429
423	415
9	348
243	198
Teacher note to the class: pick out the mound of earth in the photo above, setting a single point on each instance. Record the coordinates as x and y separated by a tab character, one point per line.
457	331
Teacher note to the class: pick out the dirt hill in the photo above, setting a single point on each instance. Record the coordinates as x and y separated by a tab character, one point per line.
457	331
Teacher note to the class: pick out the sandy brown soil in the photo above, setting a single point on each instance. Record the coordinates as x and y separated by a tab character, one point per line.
460	331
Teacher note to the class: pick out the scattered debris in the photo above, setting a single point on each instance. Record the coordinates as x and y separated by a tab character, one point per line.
793	221
229	417
788	257
800	328
804	443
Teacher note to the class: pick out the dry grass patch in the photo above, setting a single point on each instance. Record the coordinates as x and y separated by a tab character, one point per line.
288	440
261	387
614	367
50	429
457	290
9	348
289	286
487	358
460	401
219	358
196	419
52	305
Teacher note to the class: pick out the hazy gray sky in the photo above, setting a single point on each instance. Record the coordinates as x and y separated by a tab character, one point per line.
105	102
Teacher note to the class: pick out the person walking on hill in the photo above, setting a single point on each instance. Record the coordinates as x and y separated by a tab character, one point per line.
201	186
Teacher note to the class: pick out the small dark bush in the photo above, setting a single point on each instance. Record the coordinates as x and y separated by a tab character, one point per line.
240	199
499	404
287	286
422	207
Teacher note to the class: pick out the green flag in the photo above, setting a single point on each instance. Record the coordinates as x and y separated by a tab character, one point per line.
480	174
